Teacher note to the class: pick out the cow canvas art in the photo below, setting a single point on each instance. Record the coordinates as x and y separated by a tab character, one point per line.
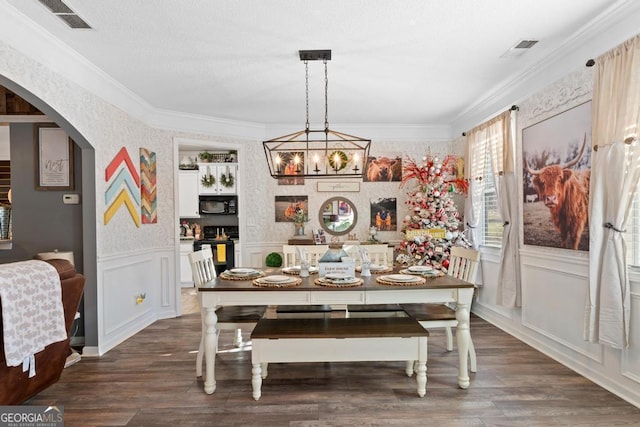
556	172
383	169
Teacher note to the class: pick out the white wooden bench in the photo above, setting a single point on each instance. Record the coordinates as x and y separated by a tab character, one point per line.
338	340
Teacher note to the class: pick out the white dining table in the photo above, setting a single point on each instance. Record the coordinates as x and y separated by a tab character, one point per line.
220	292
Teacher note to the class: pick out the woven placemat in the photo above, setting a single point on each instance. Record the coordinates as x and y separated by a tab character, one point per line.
382	281
292	284
297	272
227	276
323	282
377	271
424	276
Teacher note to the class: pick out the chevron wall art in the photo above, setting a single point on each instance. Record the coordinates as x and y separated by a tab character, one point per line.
123	188
149	212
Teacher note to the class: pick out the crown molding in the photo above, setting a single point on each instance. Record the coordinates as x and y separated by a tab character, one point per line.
387	132
610	28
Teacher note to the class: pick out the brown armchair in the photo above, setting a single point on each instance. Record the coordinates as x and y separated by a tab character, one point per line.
15	385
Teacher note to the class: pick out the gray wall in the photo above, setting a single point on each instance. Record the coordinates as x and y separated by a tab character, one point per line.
41	222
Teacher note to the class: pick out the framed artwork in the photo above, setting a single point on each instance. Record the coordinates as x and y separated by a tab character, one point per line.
384	213
382	169
54	158
291	166
319	238
556	170
286	206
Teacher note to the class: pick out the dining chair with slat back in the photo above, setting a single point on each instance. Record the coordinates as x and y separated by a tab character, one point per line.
379	254
312	254
229	317
463	264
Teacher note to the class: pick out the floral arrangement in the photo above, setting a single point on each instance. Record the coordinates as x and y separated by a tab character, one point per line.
435	173
295	213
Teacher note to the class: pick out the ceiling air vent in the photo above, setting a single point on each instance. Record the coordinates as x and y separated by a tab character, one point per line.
65	13
519	48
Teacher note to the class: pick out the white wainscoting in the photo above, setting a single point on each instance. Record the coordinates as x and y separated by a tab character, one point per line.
554	287
631	356
123	277
548	292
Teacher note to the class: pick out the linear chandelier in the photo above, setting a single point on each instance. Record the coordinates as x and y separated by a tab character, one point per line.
316	153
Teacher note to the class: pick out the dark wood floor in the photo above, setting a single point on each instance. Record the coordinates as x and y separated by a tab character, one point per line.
149	380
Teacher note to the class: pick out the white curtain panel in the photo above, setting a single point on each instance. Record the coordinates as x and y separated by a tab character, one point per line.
615	173
492	142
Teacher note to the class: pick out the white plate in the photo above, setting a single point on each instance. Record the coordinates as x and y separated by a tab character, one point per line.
375	267
338	276
292	268
243	271
420	268
346	281
401	278
276	279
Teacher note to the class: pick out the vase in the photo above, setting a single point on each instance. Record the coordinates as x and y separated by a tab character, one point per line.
299	229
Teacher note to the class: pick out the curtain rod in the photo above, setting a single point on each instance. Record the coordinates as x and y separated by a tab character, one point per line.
513	108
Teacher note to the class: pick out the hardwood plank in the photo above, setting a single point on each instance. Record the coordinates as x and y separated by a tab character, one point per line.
150	380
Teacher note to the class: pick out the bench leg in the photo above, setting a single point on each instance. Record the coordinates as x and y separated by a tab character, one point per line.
409	368
264	370
421	378
238	339
256	380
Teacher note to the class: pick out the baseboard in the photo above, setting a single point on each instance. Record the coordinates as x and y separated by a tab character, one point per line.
90	351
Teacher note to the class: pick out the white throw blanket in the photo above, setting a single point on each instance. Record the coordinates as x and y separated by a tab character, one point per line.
32	311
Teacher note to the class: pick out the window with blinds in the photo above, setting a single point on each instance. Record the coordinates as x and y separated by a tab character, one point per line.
491	221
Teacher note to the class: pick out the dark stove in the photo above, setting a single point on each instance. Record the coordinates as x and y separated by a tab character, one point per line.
212	235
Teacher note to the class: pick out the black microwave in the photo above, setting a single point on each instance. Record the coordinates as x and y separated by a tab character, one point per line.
218	205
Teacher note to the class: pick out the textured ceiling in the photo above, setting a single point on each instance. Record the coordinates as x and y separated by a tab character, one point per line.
394	62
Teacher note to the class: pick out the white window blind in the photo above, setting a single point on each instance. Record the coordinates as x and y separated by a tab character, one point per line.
491	221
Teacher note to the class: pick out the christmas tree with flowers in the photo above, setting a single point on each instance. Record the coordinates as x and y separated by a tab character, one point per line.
433	224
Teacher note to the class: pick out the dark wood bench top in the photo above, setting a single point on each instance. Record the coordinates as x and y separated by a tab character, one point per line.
338	328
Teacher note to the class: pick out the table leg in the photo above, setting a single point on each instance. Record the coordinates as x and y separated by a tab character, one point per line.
463	336
210	345
256	380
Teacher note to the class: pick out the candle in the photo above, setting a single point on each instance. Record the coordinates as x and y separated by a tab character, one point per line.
315	159
296	161
355	162
278	160
336	162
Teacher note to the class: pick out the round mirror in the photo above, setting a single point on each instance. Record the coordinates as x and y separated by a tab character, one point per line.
338	216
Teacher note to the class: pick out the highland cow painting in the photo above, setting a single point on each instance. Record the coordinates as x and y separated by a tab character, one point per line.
556	171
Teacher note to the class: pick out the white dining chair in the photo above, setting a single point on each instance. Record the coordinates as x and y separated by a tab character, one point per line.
229	317
380	254
312	254
463	264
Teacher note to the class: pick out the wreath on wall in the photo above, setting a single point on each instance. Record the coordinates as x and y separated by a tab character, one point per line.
227	181
208	180
339	155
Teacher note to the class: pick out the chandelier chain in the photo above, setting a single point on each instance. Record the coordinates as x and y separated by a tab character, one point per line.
306	83
326	98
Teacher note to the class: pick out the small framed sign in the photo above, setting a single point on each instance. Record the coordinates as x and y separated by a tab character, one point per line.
338	186
54	159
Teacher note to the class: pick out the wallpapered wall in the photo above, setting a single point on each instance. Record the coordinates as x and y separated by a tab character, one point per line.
262	189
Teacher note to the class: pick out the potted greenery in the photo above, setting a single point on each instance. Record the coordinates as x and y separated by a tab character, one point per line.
206	156
274	259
